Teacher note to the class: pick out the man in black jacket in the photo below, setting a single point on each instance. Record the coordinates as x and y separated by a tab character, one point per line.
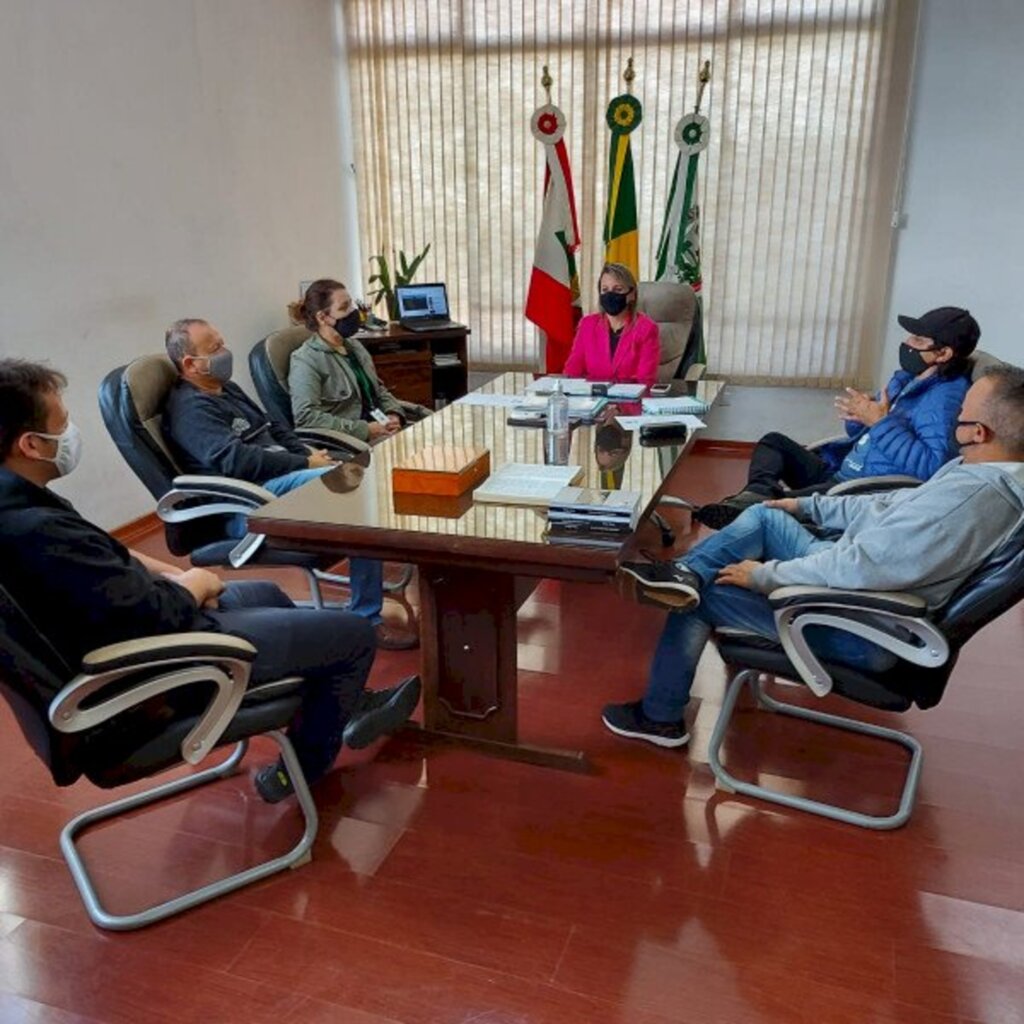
213	426
83	590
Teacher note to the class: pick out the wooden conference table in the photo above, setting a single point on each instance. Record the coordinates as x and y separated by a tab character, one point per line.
477	562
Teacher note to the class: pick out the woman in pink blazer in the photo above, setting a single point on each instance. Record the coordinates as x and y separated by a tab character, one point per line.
618	344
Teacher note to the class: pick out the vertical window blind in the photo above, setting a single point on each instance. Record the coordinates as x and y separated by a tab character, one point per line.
807	104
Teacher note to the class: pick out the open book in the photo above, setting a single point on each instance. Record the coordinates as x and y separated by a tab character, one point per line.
526	483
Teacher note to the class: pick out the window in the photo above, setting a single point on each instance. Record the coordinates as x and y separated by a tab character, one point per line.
807	104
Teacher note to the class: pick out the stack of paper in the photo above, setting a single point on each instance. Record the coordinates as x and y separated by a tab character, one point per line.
675	406
626	390
570	385
580	408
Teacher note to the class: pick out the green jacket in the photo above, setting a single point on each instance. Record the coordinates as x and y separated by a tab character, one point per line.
325	392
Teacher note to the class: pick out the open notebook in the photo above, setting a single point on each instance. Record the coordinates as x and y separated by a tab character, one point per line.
526	483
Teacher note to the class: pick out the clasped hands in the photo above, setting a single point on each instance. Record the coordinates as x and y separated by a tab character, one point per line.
378	431
204	586
740	574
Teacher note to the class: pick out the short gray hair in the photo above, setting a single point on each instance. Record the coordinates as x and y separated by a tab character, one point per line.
177	340
1004	409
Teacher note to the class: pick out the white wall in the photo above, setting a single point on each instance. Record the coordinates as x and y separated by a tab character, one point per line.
158	159
961	243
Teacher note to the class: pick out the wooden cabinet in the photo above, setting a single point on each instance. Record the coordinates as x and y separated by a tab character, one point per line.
428	367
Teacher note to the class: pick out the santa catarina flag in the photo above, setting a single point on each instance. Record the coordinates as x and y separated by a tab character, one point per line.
553	297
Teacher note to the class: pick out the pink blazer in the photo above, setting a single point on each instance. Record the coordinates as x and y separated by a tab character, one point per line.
636	356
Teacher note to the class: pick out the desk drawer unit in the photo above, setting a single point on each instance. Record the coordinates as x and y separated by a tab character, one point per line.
408	374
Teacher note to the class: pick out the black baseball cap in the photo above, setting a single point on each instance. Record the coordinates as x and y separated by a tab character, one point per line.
946	326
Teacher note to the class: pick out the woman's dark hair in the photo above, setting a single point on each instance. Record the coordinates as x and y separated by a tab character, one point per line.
23	386
316	300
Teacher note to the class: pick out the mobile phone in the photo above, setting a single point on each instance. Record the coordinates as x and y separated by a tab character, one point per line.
660	389
379	416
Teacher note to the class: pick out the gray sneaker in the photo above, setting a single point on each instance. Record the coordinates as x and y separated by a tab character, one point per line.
663	584
381	712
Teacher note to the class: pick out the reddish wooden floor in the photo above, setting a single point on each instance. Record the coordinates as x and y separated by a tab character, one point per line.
451	888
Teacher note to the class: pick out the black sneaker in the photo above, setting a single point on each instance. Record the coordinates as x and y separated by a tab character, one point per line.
719	514
664	584
380	712
272	783
630	720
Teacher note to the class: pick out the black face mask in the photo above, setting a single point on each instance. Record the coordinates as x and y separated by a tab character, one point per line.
349	324
911	359
967	423
613	303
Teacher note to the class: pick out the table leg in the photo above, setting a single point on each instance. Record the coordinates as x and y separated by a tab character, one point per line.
469	670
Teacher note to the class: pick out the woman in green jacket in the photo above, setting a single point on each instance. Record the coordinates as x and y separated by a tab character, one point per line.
331	377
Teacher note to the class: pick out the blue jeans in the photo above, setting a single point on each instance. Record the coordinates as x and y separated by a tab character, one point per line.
332	650
366	574
761	534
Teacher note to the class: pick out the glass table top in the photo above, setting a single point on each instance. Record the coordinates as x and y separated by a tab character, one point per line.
356	499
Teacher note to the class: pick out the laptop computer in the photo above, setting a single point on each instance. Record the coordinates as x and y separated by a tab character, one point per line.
423	307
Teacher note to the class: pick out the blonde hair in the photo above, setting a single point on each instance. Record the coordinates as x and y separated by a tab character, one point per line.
623	275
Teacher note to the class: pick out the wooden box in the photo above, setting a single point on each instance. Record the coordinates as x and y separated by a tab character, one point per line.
435	506
442	469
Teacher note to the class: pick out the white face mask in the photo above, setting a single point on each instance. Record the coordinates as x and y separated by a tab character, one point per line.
69	448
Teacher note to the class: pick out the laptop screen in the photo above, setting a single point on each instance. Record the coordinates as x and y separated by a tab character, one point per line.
422	302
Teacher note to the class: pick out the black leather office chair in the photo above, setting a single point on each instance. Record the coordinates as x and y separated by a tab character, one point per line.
132	710
269	360
927	647
195	509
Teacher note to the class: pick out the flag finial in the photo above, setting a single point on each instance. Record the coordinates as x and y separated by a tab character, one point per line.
703	77
546	82
629	74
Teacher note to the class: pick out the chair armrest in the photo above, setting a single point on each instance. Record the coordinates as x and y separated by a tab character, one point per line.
874	600
200	497
133	653
226	486
822	441
874	484
332	439
414	411
884	619
176	661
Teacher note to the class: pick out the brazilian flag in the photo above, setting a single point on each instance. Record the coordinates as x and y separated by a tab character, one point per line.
621	242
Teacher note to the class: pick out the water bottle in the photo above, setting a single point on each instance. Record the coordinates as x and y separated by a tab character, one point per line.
558	411
556	432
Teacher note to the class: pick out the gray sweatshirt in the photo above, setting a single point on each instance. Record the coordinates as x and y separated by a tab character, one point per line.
923	540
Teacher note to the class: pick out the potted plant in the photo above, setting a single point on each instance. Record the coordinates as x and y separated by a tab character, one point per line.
403	273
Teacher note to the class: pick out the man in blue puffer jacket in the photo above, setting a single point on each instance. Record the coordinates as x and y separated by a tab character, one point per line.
906	430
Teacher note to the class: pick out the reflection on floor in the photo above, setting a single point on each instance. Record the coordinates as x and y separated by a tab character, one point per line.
448	887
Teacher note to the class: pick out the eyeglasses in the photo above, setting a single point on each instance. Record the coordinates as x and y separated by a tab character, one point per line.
972	423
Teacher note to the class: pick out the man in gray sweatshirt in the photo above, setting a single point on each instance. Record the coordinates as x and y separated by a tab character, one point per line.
925	540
